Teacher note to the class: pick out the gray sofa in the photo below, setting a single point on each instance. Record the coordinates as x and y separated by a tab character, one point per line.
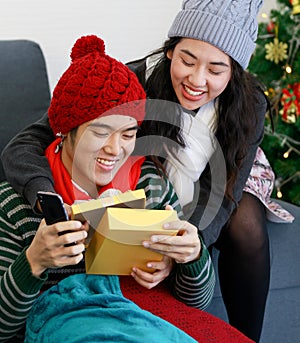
282	317
25	96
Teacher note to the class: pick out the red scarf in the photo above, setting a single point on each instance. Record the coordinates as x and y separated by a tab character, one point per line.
126	178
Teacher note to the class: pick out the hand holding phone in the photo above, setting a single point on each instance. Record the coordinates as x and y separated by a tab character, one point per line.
53	210
42	252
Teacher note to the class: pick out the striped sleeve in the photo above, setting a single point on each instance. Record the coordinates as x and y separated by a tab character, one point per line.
19	288
158	189
192	283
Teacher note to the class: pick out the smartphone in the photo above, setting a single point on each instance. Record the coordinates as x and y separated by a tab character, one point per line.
53	207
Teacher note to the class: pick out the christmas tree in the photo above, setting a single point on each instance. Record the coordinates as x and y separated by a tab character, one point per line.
276	62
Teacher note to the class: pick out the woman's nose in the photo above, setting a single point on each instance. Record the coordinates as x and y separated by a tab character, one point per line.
112	145
198	78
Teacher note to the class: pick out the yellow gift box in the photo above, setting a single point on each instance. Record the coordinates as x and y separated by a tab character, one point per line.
116	245
93	210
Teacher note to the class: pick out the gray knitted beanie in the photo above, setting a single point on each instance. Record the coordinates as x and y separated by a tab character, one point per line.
230	25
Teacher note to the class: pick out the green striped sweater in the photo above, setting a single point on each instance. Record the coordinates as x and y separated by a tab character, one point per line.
192	283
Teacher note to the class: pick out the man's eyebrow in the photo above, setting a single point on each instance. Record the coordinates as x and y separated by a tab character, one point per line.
195	57
135	127
106	126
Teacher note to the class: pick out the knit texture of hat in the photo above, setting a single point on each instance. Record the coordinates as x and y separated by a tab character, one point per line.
94	84
230	25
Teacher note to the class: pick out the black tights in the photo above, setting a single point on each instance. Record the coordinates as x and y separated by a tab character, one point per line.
244	266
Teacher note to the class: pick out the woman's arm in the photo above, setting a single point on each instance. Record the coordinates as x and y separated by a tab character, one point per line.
24	162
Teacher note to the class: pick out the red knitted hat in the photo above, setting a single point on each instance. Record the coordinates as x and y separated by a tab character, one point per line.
93	85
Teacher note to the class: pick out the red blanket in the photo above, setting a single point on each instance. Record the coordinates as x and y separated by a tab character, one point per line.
202	326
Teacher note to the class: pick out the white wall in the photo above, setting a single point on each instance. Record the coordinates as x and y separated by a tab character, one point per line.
130	28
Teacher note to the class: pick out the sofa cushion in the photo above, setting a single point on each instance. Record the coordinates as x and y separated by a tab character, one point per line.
284	251
282	315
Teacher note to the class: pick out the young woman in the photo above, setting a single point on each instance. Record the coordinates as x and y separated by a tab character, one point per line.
202	68
96	109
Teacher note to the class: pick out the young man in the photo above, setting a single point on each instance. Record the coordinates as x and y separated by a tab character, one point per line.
95	111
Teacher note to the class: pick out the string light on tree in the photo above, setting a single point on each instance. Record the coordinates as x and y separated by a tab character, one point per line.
287	153
288	69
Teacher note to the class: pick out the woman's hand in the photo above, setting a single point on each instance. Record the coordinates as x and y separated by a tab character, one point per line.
150	280
53	245
183	248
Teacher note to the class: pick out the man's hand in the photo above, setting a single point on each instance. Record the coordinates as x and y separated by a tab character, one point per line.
150	280
52	247
183	248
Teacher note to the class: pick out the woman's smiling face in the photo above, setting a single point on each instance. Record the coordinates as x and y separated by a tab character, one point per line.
98	150
199	72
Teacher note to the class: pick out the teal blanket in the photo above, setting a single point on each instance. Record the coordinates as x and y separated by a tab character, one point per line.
91	308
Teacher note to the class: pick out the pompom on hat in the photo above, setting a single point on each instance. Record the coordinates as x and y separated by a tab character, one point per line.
94	84
230	25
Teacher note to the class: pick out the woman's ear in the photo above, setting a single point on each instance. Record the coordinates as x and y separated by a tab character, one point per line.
170	54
